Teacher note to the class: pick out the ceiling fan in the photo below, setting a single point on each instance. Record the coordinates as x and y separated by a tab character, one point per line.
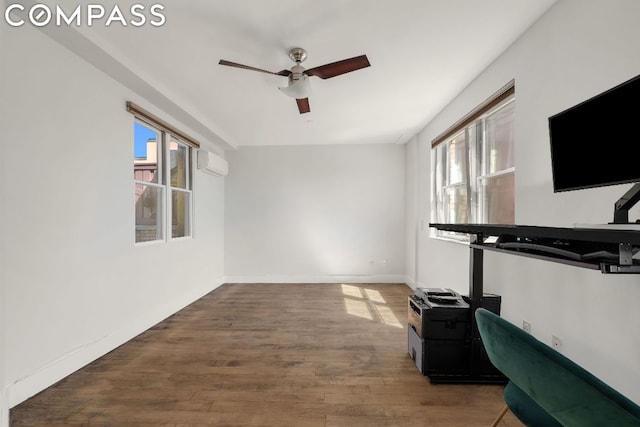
299	86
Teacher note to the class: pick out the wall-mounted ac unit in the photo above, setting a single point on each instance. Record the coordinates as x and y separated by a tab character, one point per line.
212	163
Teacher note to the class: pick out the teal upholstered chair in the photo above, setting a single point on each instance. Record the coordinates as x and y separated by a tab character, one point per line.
545	388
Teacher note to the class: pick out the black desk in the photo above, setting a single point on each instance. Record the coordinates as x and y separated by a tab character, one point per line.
608	250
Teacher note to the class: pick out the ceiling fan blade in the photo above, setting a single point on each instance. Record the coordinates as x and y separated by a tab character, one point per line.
303	105
340	67
284	73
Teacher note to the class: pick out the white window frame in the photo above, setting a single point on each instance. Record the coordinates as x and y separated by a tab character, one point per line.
165	186
188	190
477	164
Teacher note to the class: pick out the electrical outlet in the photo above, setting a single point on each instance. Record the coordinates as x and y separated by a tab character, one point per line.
556	343
526	326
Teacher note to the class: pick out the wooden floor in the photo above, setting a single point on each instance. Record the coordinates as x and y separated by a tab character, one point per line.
268	355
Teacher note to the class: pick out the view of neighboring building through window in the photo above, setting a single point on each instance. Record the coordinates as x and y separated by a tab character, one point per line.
473	168
180	186
163	187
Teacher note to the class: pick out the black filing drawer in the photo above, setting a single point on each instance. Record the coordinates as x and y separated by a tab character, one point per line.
437	321
448	323
446	357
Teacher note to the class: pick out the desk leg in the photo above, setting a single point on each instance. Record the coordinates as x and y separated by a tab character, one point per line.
476	292
476	275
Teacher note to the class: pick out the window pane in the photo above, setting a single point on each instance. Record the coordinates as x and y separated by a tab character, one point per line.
437	167
473	171
456	152
180	213
179	164
500	136
146	154
148	202
455	205
498	200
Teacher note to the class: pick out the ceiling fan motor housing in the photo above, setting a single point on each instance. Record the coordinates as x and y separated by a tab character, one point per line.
298	54
297	71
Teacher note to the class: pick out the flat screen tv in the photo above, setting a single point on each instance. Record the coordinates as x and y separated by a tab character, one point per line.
597	142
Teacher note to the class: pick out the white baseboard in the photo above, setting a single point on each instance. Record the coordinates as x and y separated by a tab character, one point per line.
30	385
411	283
378	278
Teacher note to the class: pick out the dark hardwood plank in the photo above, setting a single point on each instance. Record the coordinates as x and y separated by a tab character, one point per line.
268	355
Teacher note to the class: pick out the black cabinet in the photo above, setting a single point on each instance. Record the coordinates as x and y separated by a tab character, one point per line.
440	337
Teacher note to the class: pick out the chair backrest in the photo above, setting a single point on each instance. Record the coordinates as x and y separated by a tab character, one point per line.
569	393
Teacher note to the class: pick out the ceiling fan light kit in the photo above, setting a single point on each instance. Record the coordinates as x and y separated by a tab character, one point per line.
299	86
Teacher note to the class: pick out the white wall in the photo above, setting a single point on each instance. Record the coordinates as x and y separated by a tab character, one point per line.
75	285
578	49
412	222
315	213
4	105
4	401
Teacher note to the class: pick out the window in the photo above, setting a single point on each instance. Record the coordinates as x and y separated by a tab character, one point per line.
472	166
162	173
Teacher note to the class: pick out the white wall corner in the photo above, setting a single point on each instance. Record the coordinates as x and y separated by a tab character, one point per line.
4	407
411	283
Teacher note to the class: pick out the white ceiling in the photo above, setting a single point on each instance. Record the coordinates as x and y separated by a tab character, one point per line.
422	53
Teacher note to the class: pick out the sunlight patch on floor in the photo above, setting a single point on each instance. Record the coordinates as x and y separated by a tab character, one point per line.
357	308
351	291
385	314
374	296
368	304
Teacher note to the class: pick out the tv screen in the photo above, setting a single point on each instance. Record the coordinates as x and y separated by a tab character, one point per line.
597	142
